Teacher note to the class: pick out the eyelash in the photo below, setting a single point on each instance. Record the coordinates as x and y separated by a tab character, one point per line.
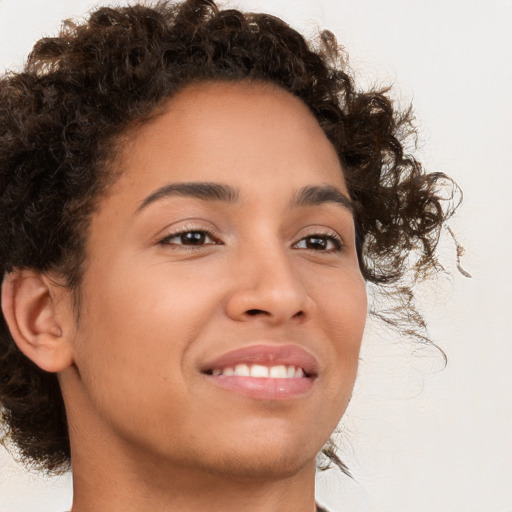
334	238
331	237
204	232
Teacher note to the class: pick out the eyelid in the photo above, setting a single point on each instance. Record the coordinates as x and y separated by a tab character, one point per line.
187	228
323	232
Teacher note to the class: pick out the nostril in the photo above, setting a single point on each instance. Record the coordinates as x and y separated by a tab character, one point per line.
254	312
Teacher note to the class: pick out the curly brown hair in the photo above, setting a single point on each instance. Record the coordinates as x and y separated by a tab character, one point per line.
79	92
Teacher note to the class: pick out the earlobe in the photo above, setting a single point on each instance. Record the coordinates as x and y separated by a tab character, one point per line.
30	308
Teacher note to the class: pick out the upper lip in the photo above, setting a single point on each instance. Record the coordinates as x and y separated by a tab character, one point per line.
266	355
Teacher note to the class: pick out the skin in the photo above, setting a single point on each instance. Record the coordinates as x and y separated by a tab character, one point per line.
148	430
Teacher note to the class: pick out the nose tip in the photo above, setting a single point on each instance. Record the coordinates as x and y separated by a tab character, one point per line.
269	291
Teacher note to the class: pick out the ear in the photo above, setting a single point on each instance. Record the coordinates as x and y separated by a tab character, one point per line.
32	305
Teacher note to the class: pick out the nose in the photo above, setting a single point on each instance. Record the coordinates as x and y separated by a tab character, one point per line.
267	287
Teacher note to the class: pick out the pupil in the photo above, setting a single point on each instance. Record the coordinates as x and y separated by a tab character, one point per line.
316	243
193	238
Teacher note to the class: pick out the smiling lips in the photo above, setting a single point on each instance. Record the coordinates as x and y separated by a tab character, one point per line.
260	372
268	372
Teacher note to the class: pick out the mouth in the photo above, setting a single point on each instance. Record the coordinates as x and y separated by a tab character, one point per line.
259	371
265	372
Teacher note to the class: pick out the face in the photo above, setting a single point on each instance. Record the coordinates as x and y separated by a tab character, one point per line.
222	302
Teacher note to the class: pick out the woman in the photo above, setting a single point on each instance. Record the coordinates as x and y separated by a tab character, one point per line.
192	202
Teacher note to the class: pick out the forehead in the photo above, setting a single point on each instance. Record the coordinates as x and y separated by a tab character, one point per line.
231	129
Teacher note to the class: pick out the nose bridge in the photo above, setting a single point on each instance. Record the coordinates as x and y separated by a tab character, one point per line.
267	283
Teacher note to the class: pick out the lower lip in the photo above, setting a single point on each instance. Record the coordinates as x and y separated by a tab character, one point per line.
265	388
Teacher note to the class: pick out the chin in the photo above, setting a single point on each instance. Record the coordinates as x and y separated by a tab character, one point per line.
267	466
267	459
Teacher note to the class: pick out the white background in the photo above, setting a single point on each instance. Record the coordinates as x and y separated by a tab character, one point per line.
417	438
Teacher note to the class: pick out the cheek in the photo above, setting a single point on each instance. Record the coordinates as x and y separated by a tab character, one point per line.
136	333
342	306
347	315
342	316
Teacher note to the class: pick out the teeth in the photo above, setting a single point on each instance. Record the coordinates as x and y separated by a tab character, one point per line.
278	372
242	370
259	371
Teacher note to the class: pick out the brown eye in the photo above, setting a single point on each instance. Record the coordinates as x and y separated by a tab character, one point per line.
327	243
194	238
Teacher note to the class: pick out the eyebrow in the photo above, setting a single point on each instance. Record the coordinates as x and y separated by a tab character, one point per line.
312	195
315	195
199	189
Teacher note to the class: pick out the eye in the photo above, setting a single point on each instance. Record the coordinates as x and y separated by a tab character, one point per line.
320	242
190	238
